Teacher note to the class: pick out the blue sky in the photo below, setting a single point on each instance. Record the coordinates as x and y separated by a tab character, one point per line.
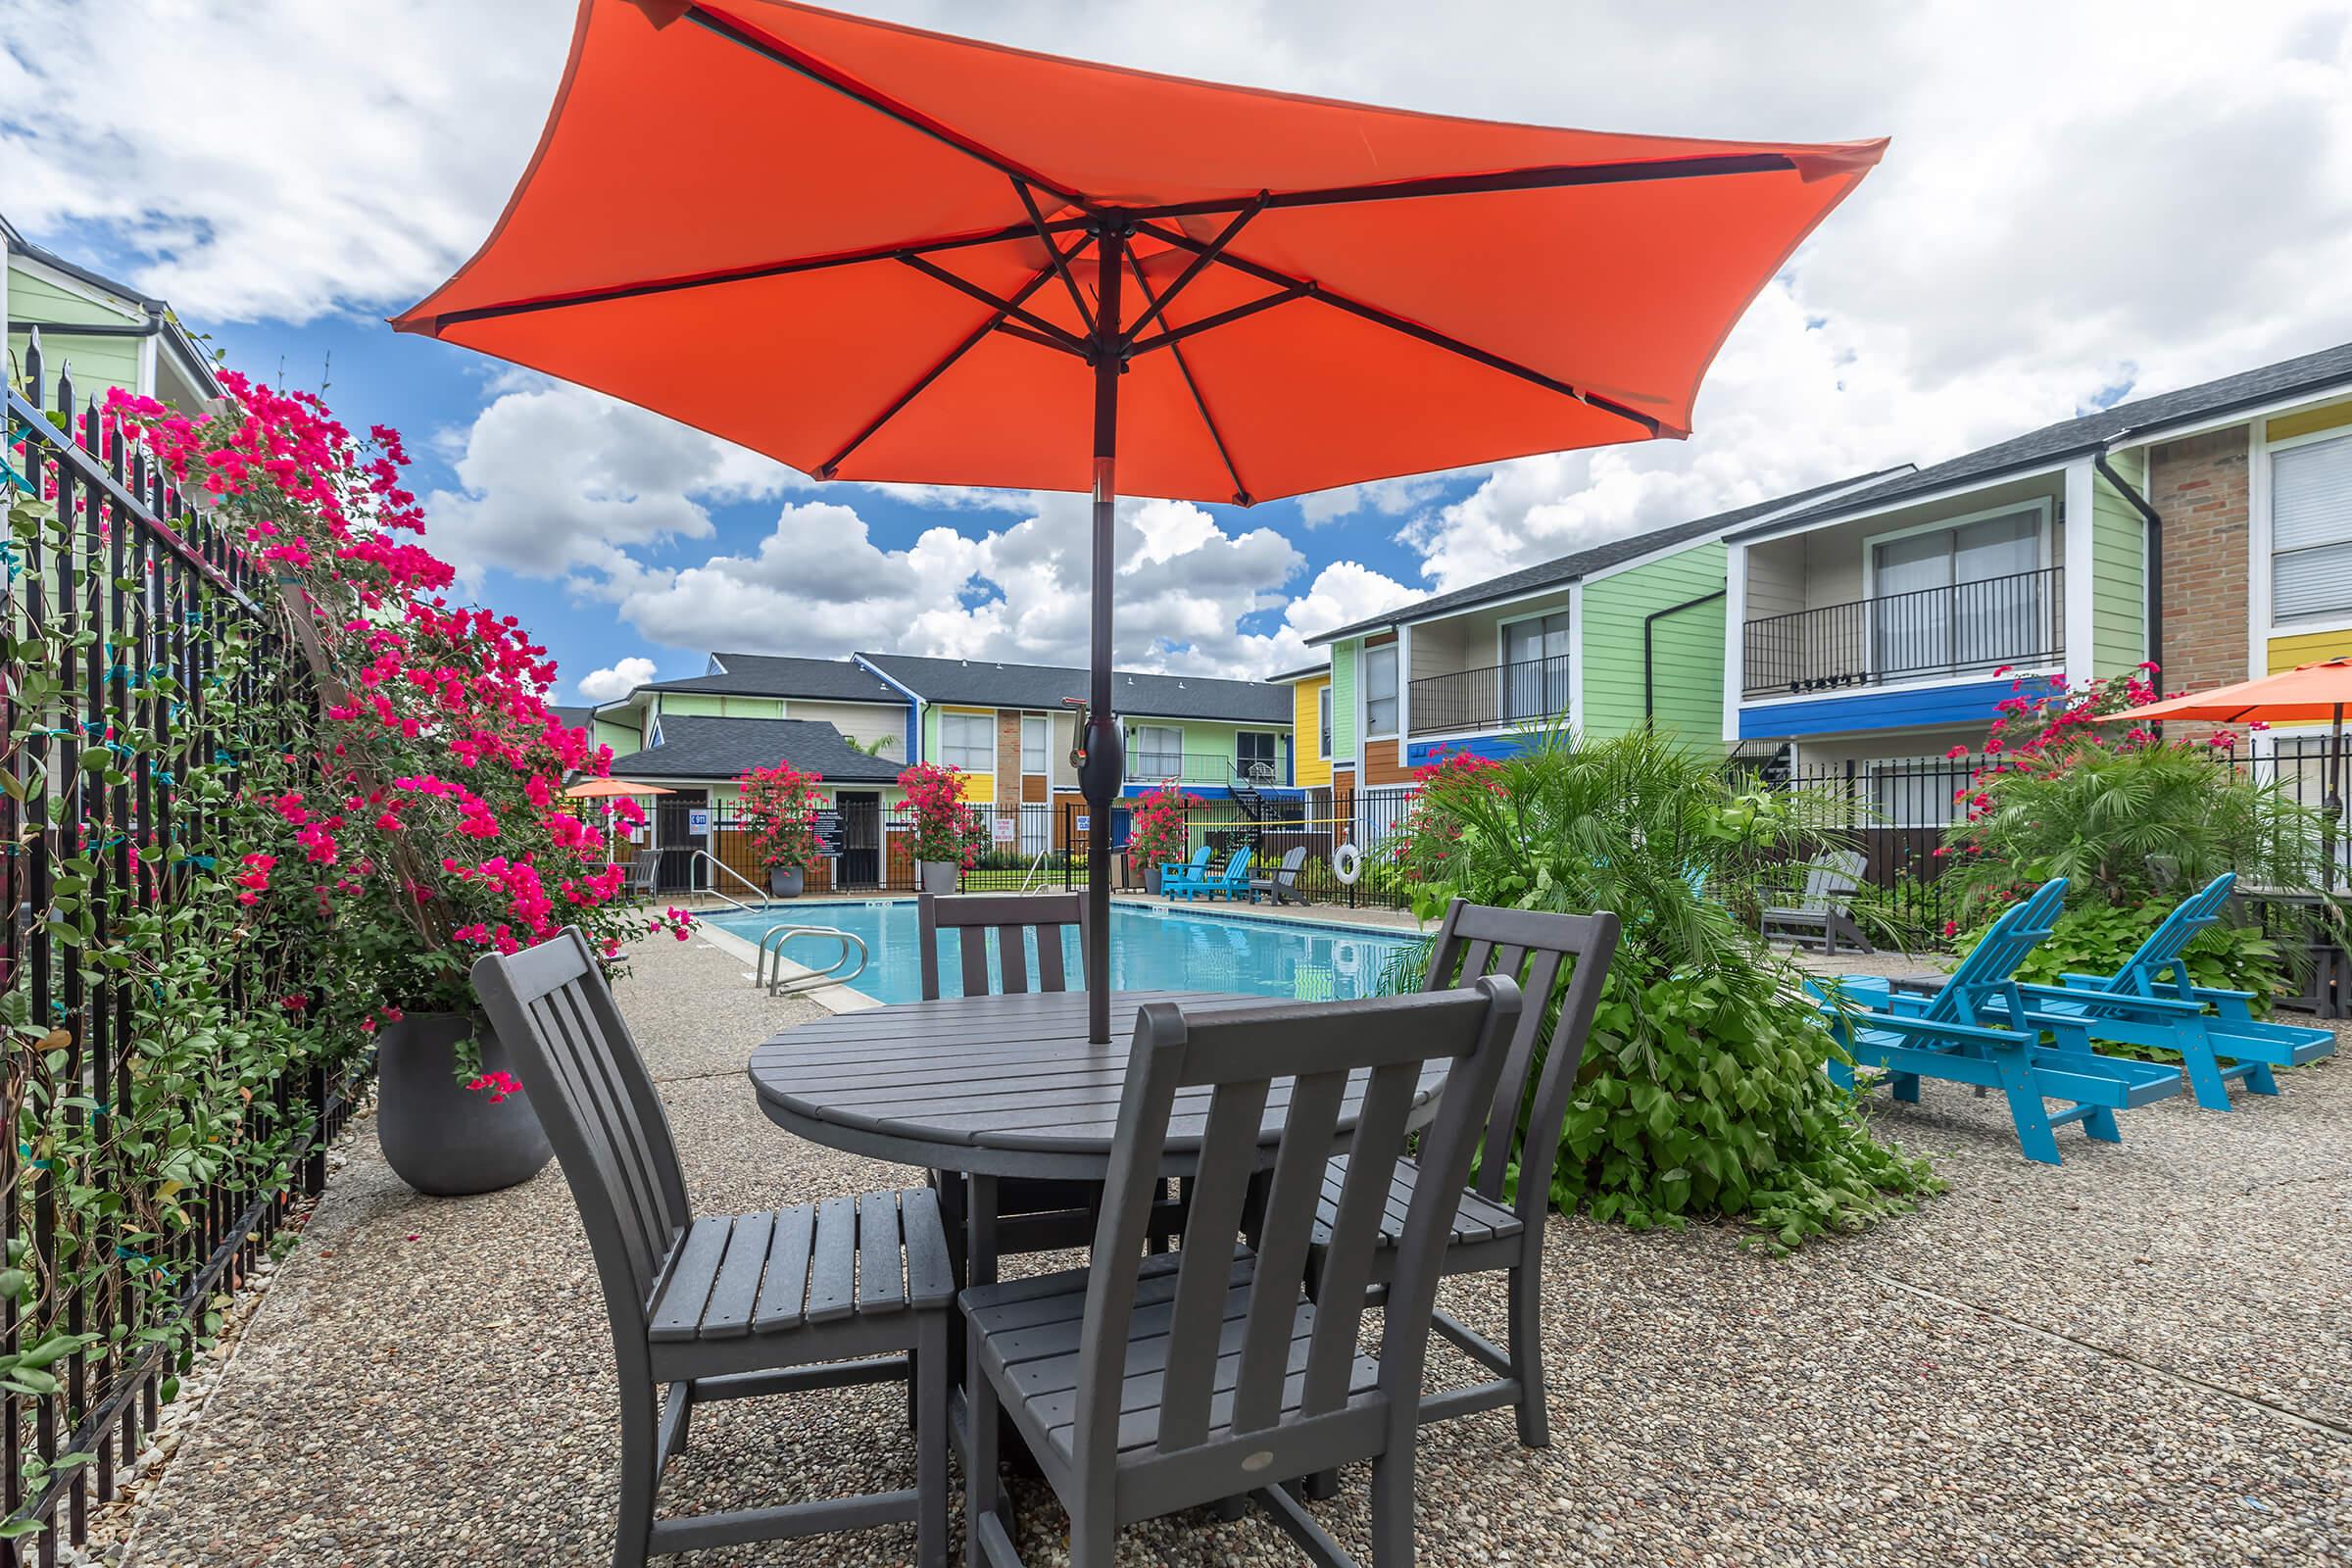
2141	200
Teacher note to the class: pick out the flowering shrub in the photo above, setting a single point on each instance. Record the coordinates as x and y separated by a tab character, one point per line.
1427	843
945	828
1158	831
781	804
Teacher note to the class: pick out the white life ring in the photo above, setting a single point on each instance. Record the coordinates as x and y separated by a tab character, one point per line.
1346	864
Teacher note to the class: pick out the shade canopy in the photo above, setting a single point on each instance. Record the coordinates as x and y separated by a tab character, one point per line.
598	788
2308	694
867	250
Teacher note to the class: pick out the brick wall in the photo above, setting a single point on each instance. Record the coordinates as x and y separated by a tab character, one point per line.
2198	487
1008	754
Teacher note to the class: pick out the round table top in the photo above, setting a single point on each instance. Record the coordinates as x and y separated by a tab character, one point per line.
996	1085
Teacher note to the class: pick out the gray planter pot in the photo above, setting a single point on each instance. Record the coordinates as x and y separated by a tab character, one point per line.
441	1137
787	881
936	876
1151	874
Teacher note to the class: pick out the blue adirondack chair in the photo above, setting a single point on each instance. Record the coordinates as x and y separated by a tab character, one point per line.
2137	1005
1941	1034
1231	883
1175	879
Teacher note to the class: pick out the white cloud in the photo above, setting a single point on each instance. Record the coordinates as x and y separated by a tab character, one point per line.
622	678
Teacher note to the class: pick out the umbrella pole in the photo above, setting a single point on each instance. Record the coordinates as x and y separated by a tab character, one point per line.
2334	806
1104	748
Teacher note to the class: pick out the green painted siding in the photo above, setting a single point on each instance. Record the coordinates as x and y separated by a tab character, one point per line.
1343	701
703	705
98	362
2118	594
622	738
1688	647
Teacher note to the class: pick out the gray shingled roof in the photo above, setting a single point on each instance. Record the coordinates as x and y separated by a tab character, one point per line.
1569	568
988	684
2071	438
834	680
723	748
576	717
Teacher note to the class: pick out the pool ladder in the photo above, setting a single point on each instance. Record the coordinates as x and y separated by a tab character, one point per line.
772	976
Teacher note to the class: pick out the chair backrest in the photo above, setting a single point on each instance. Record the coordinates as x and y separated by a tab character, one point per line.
2171	937
1238	868
639	875
970	916
1199	860
1293	860
1210	1085
1991	967
1537	951
1833	877
593	1095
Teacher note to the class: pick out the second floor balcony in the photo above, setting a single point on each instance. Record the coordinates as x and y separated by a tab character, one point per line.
1968	628
1495	697
1153	766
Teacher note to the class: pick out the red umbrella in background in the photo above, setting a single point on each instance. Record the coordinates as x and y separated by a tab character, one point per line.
883	254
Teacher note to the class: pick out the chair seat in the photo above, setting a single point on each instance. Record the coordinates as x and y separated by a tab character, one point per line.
1475	1219
1028	1333
730	1276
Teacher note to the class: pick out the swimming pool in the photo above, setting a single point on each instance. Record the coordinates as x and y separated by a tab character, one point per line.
1152	948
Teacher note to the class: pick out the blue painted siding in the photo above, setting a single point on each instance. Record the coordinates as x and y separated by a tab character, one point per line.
1915	708
1493	748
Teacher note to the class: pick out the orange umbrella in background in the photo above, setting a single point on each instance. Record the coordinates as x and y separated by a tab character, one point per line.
607	789
877	253
2308	694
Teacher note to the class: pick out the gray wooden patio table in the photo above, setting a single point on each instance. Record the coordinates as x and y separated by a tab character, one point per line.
991	1086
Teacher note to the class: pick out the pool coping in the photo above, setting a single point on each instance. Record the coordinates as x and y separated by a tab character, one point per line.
848	998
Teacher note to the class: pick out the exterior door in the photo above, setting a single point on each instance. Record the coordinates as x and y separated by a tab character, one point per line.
675	841
1254	756
860	837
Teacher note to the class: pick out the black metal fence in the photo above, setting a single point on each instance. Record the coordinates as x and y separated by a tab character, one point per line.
126	597
2014	620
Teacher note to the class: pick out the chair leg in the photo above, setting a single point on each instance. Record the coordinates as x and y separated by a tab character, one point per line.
927	1377
980	1229
2204	1073
1905	1087
1526	1351
1093	1535
2034	1134
2259	1080
1392	1507
980	1484
640	1472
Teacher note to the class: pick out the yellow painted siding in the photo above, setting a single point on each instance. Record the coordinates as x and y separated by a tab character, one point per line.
980	789
2288	425
2307	648
1310	768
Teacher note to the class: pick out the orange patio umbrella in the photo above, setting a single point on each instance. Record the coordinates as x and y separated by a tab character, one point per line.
878	253
2308	694
607	789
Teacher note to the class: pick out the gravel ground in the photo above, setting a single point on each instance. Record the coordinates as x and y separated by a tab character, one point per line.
2140	1357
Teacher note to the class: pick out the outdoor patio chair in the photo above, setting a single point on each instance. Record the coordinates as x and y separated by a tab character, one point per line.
1146	1385
1821	912
2137	1005
1231	883
994	1215
1941	1033
1282	886
1176	879
1494	1232
638	874
844	1291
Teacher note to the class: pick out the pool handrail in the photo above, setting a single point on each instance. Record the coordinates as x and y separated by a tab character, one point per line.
778	984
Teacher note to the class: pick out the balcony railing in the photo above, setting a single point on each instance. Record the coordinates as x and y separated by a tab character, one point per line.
1185	767
1967	628
1529	692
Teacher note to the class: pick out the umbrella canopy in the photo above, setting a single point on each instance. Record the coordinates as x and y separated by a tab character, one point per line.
2308	694
598	788
883	254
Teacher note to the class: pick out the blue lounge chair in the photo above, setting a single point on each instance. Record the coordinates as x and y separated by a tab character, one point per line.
1176	879
1941	1033
1231	883
2137	1005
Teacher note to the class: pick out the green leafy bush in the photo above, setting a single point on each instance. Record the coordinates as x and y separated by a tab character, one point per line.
1701	1090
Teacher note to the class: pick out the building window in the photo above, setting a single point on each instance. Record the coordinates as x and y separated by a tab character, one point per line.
2311	529
1534	675
1035	729
967	741
1323	722
1254	756
1155	751
1380	691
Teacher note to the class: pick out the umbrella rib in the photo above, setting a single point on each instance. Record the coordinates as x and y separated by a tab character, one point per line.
1264	302
1037	221
1241	491
1547	178
1012	308
831	466
1410	328
1193	268
776	50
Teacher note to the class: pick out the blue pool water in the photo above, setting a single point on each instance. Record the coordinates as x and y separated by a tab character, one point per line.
1152	948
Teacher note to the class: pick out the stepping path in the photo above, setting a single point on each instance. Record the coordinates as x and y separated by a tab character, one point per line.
2141	1355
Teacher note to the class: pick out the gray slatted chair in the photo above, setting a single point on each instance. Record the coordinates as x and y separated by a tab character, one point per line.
721	1307
1489	1234
1146	1385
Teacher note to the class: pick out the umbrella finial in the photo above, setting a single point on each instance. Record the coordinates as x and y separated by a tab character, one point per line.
661	12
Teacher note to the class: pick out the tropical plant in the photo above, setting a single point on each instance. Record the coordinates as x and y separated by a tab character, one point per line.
944	827
1158	828
873	748
780	805
1701	1090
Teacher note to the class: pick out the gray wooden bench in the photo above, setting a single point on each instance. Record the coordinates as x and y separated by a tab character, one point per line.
847	1290
1143	1384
